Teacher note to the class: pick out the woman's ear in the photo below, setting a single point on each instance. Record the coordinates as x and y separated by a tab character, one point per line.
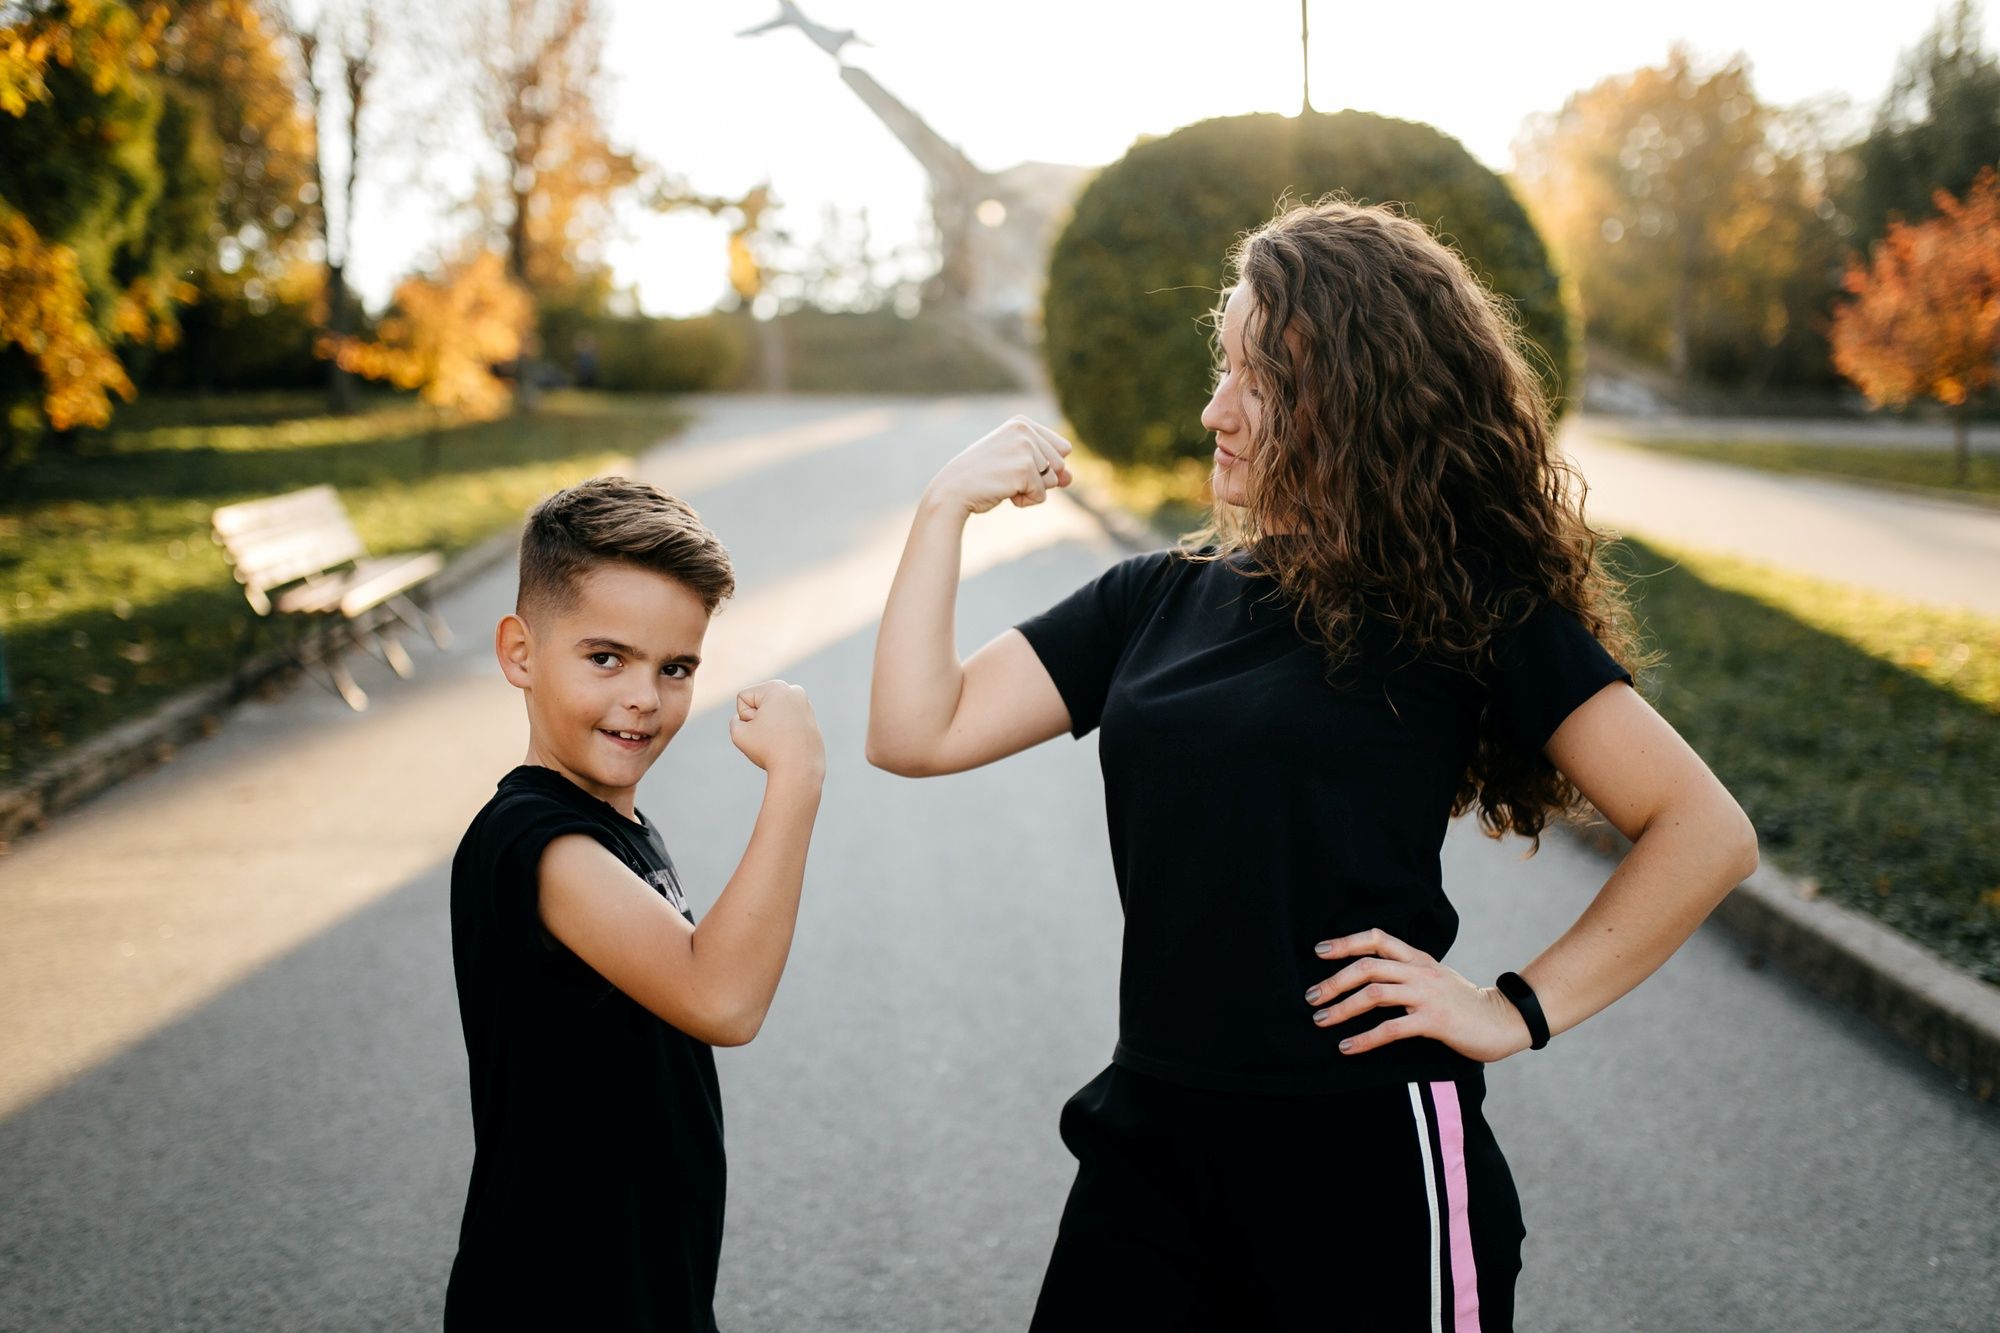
514	646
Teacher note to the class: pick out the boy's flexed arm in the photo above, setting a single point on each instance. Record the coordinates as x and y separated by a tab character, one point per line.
713	981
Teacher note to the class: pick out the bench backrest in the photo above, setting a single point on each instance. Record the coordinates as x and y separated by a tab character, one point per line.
284	539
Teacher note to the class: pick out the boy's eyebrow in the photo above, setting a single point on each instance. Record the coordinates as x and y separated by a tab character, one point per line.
596	644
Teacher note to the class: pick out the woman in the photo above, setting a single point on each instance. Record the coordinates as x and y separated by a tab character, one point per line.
1395	614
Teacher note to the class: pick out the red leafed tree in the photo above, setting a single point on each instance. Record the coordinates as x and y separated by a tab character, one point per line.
1925	318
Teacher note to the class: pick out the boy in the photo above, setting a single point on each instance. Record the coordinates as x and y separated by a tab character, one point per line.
588	996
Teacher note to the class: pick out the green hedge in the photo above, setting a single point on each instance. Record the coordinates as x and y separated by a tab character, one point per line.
1142	258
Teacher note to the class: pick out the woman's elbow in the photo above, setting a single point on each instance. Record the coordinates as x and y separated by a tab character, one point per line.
1744	843
902	763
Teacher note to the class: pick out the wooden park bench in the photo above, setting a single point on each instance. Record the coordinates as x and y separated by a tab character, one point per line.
306	572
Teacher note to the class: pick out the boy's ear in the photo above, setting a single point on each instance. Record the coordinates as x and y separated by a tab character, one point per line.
514	646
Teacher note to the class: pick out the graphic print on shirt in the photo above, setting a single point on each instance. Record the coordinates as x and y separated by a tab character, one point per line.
670	888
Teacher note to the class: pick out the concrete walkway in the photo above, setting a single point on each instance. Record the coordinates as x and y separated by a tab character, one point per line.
232	1089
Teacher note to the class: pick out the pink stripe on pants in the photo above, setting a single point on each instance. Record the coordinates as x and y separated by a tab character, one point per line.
1451	1139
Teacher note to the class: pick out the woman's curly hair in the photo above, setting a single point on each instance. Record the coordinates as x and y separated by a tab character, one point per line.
1406	443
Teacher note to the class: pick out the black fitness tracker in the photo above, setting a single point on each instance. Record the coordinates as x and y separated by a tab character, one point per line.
1522	996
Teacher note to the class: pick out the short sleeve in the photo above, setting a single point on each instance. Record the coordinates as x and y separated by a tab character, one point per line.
1543	670
522	830
1081	638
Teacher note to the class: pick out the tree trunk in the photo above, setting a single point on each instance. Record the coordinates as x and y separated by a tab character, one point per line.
1961	434
527	365
427	458
773	372
339	384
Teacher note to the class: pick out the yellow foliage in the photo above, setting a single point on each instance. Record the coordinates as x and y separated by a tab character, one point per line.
445	335
44	309
108	43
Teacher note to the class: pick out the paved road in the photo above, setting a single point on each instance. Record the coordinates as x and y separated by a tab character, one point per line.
232	1087
1934	551
1870	433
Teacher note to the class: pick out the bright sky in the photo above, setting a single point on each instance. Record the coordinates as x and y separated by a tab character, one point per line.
1078	80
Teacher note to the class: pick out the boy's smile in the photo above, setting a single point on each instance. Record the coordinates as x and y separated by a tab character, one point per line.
609	681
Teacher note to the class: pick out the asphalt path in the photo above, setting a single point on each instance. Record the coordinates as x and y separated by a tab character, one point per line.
232	1087
1927	550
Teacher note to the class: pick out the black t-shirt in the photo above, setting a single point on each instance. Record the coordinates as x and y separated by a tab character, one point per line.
597	1174
1258	805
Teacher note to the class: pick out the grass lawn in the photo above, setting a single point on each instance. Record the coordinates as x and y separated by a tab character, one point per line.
1930	468
1861	732
115	596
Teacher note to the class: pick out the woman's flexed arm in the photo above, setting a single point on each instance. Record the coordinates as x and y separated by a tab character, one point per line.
927	712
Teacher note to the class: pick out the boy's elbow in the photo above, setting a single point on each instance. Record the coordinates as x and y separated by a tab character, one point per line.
737	1027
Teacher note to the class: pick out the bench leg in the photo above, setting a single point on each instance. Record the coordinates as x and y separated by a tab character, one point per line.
343	683
326	653
397	656
419	615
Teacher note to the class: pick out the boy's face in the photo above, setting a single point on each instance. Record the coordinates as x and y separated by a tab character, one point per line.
622	660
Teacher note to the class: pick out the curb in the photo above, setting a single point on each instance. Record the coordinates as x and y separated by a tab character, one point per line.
1946	1013
143	742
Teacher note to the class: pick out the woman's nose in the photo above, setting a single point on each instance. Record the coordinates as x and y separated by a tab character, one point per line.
1216	416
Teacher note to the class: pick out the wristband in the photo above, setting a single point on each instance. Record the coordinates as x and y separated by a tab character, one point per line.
1522	996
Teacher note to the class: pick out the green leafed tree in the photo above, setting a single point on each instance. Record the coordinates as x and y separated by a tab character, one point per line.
1938	125
1141	260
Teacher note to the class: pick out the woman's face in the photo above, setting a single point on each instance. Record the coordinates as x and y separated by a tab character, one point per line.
1236	407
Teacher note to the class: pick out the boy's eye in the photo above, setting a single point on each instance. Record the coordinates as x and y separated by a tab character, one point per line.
612	656
676	666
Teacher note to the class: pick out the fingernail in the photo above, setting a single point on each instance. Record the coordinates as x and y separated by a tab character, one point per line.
1312	996
1344	1045
1323	948
1322	1015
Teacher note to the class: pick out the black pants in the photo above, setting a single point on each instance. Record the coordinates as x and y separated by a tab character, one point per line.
1377	1209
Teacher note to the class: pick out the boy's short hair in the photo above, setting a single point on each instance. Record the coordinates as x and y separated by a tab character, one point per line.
615	520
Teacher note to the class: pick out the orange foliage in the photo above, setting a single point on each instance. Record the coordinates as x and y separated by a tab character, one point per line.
1925	318
444	336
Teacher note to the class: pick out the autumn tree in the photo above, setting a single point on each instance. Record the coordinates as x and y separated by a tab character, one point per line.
443	335
339	60
106	174
1693	216
554	174
1937	126
233	58
1924	321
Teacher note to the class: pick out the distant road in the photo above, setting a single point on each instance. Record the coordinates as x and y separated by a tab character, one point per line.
1667	426
1927	550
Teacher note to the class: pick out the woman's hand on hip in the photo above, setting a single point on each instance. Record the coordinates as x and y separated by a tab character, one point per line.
1019	460
1475	1021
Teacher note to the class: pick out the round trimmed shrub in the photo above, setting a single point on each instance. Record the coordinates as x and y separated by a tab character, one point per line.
1141	260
